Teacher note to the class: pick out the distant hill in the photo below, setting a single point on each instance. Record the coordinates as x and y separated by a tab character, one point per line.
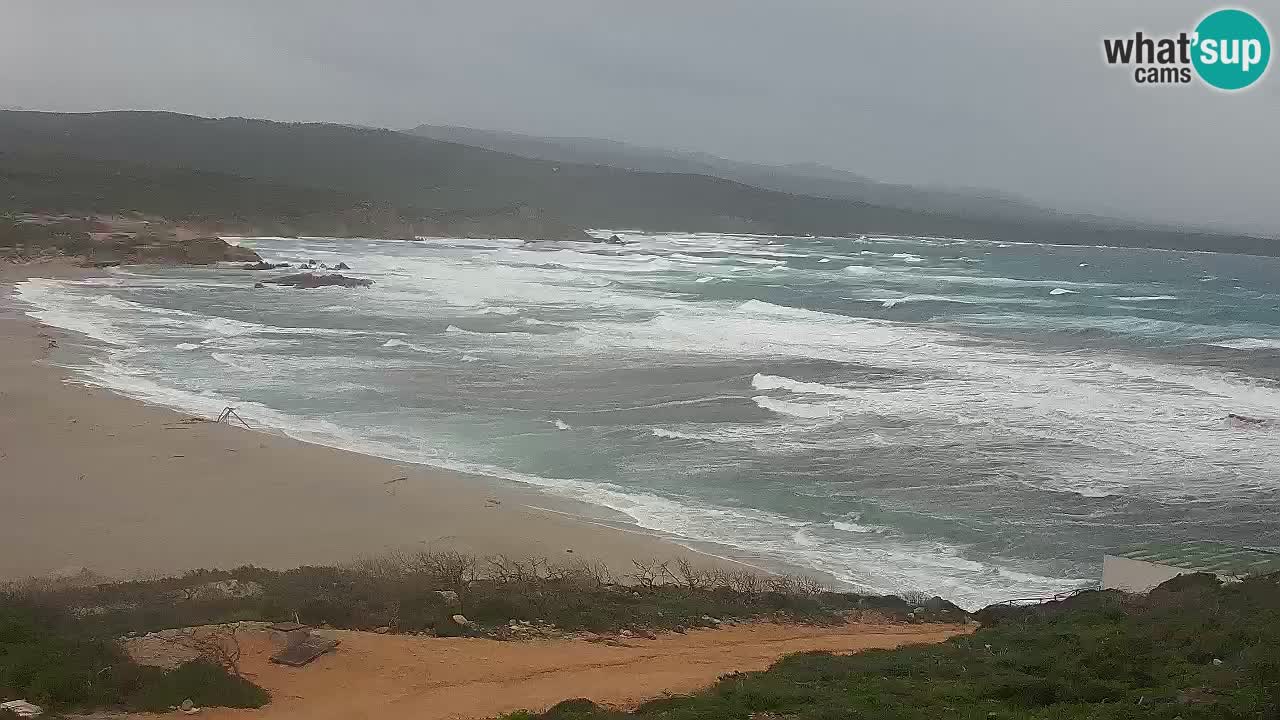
796	178
439	178
59	183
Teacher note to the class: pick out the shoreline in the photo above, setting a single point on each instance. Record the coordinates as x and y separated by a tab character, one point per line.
122	488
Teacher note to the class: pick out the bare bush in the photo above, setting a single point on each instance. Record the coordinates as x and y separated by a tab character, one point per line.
745	581
581	574
505	569
448	568
650	573
916	597
801	585
218	645
391	564
693	577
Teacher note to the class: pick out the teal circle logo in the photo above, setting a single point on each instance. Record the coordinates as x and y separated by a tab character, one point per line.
1232	49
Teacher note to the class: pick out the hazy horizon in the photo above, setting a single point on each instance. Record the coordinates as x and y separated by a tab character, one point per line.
1013	99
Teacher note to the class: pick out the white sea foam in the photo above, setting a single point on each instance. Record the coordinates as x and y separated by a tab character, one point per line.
800	410
186	346
562	425
56	307
777	382
394	343
1249	343
1130	408
866	270
857	527
894	302
752	435
672	434
236	362
1062	291
1144	298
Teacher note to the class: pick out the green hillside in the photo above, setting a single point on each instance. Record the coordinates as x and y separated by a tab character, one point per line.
404	170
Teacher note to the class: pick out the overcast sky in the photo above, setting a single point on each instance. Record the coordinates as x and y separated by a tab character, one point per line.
1008	95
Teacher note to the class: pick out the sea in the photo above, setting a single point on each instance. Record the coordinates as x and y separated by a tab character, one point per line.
977	420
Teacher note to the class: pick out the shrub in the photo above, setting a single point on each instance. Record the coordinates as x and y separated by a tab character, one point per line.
1096	656
400	591
205	683
55	660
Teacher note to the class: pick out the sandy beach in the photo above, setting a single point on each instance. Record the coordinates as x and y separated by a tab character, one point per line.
93	480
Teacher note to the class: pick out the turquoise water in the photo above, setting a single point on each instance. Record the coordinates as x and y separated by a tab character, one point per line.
978	420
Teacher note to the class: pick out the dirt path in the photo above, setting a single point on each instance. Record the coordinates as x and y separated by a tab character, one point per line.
392	677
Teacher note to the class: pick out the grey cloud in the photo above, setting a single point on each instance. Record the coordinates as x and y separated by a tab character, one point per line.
1012	96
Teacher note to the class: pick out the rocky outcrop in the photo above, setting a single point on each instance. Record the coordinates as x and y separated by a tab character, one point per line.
230	589
308	280
264	265
41	235
197	251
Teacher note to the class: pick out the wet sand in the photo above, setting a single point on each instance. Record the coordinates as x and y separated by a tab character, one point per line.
90	479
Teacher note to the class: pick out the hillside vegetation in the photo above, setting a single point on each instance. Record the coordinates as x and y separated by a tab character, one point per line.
59	183
442	177
1192	649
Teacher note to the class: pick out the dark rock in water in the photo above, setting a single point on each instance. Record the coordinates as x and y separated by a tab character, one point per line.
323	266
1246	419
312	280
100	263
615	240
259	285
342	266
264	265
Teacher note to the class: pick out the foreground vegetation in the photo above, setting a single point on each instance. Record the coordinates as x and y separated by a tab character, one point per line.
59	640
422	591
57	661
1192	649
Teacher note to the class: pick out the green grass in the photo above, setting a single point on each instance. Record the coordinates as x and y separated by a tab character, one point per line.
1100	656
57	661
